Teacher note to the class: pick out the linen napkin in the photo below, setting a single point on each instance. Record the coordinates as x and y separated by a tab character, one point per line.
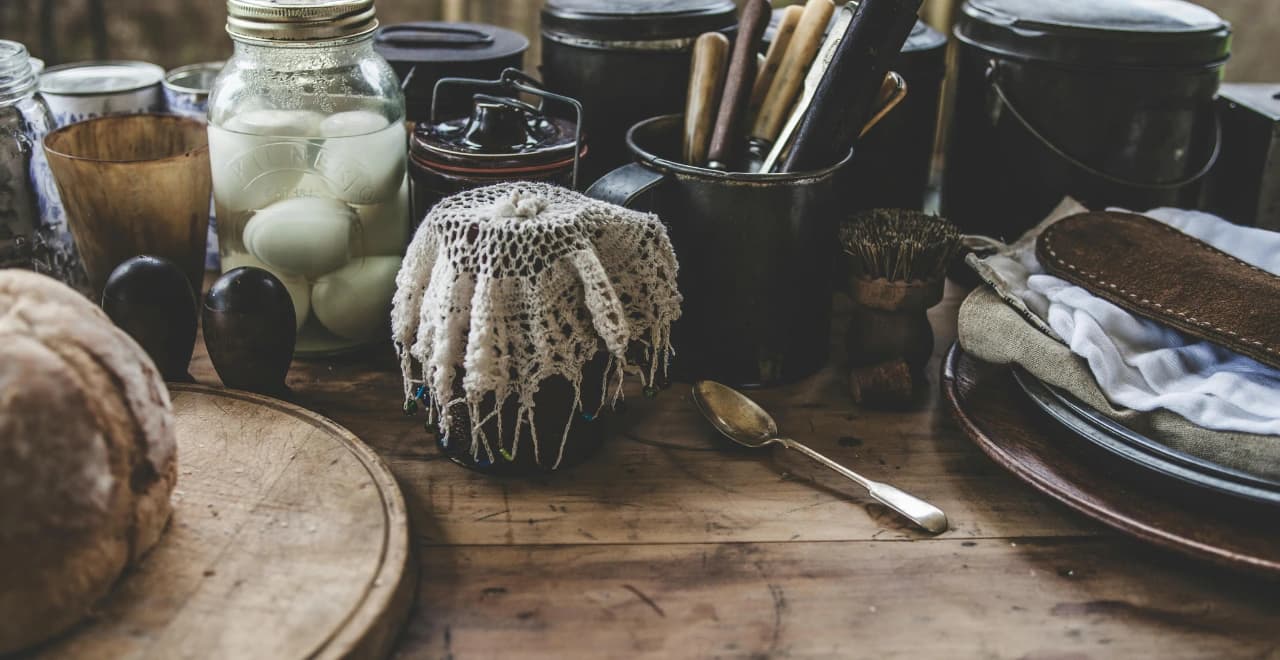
1139	364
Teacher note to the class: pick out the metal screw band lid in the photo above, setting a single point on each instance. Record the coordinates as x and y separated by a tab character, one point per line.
300	20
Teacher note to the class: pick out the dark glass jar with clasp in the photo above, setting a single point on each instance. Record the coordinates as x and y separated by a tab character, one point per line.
503	139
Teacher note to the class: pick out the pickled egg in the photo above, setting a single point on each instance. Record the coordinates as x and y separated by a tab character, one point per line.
362	157
299	288
386	225
259	156
307	236
355	302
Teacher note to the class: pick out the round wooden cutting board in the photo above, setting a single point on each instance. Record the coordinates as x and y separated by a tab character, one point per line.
289	539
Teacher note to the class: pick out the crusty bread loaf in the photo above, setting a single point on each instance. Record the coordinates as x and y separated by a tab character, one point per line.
87	456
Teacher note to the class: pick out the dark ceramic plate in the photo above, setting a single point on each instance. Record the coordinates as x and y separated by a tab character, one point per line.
1124	443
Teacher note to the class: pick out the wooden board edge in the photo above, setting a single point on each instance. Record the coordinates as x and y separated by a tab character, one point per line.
1126	526
372	627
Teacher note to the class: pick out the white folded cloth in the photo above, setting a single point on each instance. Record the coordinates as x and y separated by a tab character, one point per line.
1142	365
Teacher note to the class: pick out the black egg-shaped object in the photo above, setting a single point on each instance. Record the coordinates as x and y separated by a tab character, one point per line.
250	329
151	300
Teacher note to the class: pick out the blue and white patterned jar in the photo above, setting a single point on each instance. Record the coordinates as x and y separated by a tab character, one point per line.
186	93
33	225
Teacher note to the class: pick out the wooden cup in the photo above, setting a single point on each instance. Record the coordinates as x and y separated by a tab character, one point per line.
135	184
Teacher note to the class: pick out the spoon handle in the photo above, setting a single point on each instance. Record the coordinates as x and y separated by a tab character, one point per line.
913	508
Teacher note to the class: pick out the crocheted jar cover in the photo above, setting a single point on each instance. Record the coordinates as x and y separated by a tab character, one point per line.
511	284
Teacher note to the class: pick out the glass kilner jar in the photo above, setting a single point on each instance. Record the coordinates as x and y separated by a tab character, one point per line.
308	146
33	226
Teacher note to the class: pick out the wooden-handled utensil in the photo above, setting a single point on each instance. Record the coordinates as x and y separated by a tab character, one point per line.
791	72
706	79
846	96
727	138
772	60
778	148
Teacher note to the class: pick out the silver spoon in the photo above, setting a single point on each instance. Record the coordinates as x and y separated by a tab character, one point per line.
747	424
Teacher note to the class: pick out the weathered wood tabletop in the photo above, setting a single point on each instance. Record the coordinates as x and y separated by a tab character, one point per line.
668	544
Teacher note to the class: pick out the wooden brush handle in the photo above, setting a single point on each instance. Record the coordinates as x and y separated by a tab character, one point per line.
728	136
772	60
791	73
706	78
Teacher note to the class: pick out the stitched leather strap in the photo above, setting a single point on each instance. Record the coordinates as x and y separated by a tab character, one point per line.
1158	272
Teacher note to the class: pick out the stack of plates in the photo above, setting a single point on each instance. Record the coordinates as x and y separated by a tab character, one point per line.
1143	452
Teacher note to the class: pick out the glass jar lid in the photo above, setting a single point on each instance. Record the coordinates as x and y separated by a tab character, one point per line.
299	20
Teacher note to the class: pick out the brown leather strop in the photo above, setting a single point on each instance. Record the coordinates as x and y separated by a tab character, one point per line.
1158	272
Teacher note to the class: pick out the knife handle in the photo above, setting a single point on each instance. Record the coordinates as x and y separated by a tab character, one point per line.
772	60
706	78
791	73
727	137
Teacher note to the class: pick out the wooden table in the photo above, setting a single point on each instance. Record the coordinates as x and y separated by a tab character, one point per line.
666	544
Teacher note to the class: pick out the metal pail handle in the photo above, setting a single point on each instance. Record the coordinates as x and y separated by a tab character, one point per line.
993	80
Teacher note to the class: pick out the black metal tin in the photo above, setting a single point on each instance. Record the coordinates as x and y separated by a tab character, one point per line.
1109	101
626	60
895	158
423	53
756	254
1244	187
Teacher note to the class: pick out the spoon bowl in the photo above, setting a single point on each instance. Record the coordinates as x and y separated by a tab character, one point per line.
741	420
735	416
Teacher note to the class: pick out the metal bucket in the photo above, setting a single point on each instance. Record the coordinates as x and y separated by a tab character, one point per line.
756	256
1109	101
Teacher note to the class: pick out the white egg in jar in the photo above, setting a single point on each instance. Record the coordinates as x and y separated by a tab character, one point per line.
362	156
386	226
305	236
355	301
259	156
299	288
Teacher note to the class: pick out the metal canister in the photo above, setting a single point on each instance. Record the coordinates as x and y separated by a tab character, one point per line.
1244	187
186	93
84	90
502	139
186	89
1108	101
423	53
626	60
895	159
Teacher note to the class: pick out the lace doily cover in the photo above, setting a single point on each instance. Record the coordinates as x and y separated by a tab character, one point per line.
508	285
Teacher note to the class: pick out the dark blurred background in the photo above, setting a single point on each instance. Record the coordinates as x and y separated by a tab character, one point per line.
176	32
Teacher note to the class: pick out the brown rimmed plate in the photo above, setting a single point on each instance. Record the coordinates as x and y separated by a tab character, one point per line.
994	412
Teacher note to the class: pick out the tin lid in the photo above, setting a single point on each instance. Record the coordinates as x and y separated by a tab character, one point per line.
922	36
94	78
447	43
299	20
501	133
193	78
635	20
1134	33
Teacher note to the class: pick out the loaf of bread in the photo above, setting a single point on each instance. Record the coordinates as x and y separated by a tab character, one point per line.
87	457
